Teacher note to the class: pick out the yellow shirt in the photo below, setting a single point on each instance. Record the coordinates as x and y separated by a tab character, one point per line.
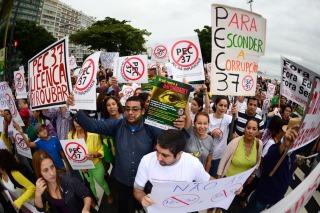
29	188
6	141
93	143
240	161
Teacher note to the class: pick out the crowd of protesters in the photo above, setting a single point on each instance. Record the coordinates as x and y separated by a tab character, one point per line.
218	136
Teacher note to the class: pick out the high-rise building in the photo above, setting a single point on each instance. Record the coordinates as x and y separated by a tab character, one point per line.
27	9
62	20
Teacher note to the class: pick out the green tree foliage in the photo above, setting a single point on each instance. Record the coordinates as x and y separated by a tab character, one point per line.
30	39
205	42
112	35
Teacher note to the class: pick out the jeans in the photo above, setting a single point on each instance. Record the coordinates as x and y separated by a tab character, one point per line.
254	205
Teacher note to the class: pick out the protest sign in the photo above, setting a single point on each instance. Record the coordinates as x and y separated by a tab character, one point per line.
7	102
20	84
159	53
85	87
72	62
133	69
296	199
310	127
126	92
296	82
168	101
238	39
185	56
109	60
76	151
196	196
270	90
49	77
21	145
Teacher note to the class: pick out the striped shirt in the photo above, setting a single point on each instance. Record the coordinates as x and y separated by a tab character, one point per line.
242	120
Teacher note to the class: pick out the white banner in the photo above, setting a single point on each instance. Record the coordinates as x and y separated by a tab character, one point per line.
85	88
296	82
7	102
238	39
300	196
21	145
20	84
310	127
196	196
185	56
76	151
109	60
132	69
49	77
159	53
270	91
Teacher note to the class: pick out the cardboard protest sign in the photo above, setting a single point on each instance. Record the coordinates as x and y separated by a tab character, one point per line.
49	77
133	69
296	82
310	127
7	102
109	60
72	62
196	196
168	101
159	53
21	145
85	87
238	39
185	56
76	151
299	197
20	84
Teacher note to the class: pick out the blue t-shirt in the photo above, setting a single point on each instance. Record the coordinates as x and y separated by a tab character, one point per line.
53	147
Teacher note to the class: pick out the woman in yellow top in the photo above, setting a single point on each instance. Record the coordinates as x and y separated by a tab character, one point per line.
95	153
241	154
13	180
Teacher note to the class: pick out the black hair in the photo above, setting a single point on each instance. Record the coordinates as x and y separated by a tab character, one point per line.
104	112
275	125
255	120
172	139
218	99
8	162
252	98
137	99
286	106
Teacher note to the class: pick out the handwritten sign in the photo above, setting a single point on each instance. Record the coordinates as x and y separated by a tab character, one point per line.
20	84
109	60
133	69
296	82
85	87
21	145
76	151
195	196
186	58
270	90
126	92
238	39
7	102
310	127
49	77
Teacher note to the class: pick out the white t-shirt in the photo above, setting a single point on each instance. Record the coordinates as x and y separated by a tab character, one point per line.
267	146
187	169
220	144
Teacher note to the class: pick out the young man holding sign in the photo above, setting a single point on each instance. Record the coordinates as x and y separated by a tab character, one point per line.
134	139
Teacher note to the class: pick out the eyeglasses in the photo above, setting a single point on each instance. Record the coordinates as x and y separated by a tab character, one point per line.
134	109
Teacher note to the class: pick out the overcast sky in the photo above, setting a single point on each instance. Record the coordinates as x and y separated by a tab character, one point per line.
293	26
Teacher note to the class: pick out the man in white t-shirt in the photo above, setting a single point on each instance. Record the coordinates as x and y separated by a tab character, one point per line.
168	163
